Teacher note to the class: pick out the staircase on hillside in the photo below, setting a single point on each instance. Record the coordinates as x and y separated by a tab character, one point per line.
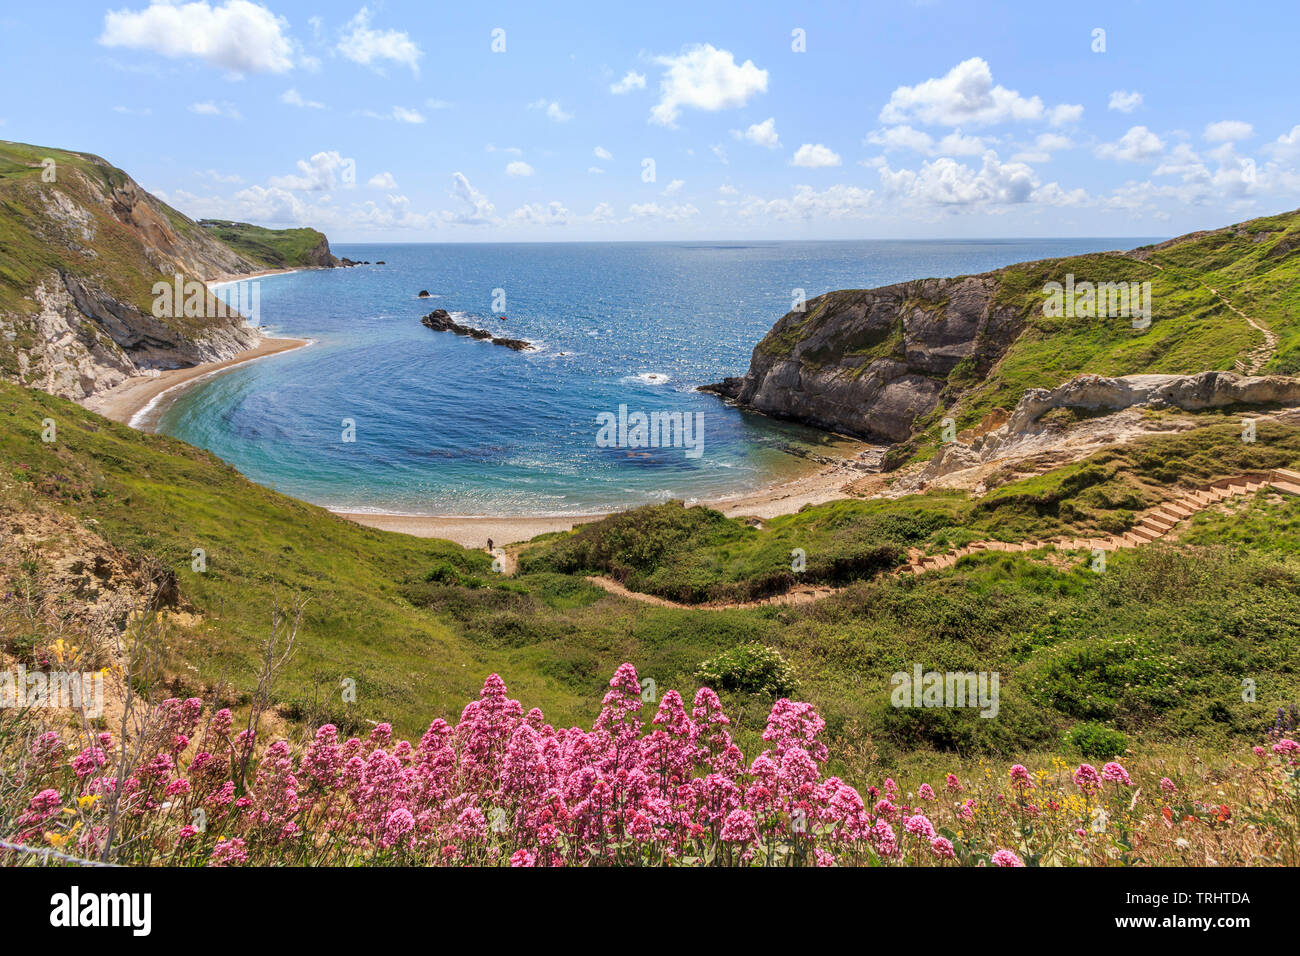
1152	525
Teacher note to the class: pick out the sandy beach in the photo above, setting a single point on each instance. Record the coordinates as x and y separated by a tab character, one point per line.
137	401
826	483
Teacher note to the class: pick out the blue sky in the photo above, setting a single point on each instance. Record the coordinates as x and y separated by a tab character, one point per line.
398	121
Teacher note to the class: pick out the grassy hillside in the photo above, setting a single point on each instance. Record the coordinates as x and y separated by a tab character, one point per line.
1156	647
274	248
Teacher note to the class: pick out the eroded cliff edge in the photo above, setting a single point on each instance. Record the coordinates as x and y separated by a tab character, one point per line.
871	362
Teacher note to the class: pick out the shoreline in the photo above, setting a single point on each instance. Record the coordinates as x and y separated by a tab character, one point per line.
827	482
138	401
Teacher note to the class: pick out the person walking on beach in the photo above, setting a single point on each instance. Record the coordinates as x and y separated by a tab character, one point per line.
489	545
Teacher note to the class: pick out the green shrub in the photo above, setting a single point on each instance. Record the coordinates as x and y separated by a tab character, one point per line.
1096	741
749	668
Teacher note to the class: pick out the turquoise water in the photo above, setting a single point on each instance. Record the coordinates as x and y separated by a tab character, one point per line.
448	425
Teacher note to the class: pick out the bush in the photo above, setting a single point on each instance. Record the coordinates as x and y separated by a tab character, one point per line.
749	668
1097	741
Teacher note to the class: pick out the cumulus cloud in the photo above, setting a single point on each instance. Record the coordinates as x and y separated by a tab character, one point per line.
477	211
293	98
518	168
1228	131
704	78
238	36
946	182
965	95
369	47
815	156
535	214
1124	102
603	213
323	172
400	113
674	187
602	153
383	180
834	202
1065	114
209	108
1044	146
668	213
1135	146
551	109
760	134
632	80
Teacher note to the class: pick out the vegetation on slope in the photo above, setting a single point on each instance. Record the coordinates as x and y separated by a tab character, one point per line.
273	248
1157	646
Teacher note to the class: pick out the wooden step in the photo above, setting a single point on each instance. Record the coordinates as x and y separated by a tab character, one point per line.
1144	533
1286	474
1178	509
1160	519
1290	487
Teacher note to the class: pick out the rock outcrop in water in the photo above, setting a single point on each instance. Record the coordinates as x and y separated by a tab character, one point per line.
440	321
871	362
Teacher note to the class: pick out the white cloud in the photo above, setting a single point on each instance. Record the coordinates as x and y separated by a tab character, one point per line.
512	150
437	104
602	153
728	190
704	78
1287	146
815	156
552	110
1044	146
535	214
403	115
603	213
761	134
902	137
596	169
1065	114
323	172
360	44
210	108
239	36
1135	146
674	187
946	182
632	80
834	202
966	94
383	181
478	211
399	113
670	213
293	98
518	168
1124	102
1228	131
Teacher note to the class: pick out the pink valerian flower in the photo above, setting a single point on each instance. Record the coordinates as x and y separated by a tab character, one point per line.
523	858
925	792
739	827
1114	773
967	810
794	724
1020	778
1006	858
1087	779
399	823
919	826
883	839
1168	786
1285	746
942	848
884	809
88	761
186	832
952	784
47	750
40	808
823	858
229	853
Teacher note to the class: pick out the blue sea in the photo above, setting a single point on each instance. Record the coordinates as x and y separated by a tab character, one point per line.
446	425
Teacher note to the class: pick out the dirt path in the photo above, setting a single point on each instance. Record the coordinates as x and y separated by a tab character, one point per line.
1152	525
1257	357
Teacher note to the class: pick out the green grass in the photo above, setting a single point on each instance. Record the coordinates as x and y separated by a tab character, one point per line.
274	248
1156	647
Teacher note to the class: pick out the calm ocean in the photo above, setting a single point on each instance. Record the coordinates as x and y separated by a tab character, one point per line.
448	425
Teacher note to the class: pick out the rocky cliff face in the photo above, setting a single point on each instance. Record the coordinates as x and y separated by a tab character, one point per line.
870	363
81	246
